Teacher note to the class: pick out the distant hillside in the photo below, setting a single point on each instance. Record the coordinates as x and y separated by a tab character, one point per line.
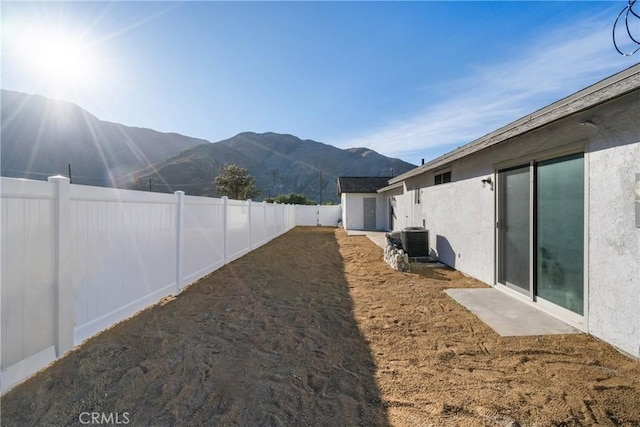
41	137
280	163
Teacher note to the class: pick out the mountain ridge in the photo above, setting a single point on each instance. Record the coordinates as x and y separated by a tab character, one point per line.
312	168
42	137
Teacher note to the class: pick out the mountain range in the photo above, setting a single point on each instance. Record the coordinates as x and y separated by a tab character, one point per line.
43	137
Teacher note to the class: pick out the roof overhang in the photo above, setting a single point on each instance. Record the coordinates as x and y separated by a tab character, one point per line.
612	87
391	187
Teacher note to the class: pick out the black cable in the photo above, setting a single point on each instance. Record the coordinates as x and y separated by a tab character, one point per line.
628	9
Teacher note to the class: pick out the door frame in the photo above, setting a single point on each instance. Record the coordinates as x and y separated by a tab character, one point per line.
568	316
531	171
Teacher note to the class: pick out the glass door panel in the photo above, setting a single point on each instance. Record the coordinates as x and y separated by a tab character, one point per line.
513	228
560	231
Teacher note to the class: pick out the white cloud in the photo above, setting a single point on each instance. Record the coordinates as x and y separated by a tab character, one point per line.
557	65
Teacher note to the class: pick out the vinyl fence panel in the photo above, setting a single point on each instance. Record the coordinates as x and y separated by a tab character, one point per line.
318	215
258	224
237	229
27	253
77	259
271	217
329	215
307	215
123	253
203	230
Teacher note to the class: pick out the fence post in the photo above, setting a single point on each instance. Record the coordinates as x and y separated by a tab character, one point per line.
249	216
294	221
264	215
179	238
225	202
63	294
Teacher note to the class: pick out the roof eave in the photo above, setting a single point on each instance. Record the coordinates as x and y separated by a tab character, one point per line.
390	187
610	88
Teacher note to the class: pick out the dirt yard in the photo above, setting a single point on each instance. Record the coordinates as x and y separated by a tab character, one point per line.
314	329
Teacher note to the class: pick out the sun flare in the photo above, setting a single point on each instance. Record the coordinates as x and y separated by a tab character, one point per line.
60	60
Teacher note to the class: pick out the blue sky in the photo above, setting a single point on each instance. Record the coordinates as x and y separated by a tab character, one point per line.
408	79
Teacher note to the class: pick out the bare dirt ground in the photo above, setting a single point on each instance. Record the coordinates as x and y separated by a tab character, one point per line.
314	329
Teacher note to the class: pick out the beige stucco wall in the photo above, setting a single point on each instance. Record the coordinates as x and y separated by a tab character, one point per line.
353	210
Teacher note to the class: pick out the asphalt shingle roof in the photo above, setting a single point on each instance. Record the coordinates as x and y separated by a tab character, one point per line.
361	184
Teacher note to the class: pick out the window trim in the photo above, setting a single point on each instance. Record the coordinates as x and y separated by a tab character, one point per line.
443	176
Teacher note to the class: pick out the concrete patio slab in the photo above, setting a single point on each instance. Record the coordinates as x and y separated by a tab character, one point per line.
377	237
508	316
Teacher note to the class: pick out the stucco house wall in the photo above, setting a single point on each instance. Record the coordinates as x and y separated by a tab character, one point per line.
461	215
614	240
353	208
343	208
405	207
396	197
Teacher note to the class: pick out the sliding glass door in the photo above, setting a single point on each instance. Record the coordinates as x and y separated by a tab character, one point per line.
544	230
560	232
514	228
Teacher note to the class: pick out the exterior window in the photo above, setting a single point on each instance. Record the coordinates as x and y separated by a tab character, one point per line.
416	196
442	178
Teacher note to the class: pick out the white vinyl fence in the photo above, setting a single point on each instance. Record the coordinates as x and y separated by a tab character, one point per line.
77	259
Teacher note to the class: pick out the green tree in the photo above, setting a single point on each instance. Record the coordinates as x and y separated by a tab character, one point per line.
236	183
293	199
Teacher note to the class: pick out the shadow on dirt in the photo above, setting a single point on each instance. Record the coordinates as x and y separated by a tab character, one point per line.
269	339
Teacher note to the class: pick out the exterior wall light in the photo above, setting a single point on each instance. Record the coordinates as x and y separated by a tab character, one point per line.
487	181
